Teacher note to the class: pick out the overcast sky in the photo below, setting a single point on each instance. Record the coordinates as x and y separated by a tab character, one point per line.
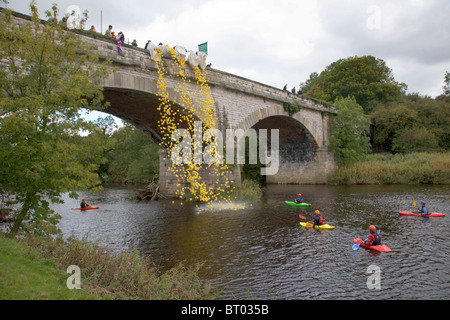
278	42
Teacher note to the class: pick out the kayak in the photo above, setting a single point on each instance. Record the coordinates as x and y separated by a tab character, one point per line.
323	226
295	204
380	248
431	214
87	208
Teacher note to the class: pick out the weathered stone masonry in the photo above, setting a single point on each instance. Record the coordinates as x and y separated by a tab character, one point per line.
305	157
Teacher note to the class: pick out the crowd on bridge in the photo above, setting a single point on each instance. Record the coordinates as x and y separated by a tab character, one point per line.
294	92
194	58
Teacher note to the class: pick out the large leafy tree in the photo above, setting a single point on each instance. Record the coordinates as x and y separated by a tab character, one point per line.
365	78
349	138
413	123
47	76
447	84
133	157
390	120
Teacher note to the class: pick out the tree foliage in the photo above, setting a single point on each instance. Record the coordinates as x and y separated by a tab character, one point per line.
365	78
133	157
428	118
447	84
401	122
349	139
44	84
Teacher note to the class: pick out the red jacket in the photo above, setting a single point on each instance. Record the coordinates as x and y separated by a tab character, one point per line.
374	239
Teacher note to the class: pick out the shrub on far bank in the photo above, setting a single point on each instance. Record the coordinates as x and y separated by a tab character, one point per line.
413	168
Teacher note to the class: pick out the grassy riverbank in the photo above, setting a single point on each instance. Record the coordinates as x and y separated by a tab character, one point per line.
34	268
413	168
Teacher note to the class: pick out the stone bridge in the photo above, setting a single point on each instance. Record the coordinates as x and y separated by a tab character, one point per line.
239	103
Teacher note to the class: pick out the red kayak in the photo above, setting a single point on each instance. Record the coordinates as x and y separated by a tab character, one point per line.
381	247
415	214
87	208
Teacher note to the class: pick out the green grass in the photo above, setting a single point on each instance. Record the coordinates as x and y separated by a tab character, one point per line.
413	168
26	276
34	268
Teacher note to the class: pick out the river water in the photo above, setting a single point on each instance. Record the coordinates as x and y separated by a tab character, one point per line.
261	252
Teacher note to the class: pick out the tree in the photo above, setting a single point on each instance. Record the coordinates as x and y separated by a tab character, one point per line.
365	78
45	82
415	140
133	156
447	83
349	139
389	120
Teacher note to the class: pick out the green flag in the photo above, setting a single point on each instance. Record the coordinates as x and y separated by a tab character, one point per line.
203	47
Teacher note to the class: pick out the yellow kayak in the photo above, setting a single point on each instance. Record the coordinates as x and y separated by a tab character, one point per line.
323	226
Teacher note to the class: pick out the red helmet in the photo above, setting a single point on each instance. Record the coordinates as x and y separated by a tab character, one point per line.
372	228
299	194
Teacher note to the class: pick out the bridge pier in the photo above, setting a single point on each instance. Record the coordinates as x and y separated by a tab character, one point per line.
305	172
168	181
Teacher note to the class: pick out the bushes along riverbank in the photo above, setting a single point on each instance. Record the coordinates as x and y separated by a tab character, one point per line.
413	168
35	268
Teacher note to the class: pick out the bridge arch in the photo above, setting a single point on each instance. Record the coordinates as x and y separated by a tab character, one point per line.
239	103
300	144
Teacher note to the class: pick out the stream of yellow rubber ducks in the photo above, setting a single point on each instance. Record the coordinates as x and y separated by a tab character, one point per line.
196	102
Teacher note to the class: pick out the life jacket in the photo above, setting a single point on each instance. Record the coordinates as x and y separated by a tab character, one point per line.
377	240
319	221
299	200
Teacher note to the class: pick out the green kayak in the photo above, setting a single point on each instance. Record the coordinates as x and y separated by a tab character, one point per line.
294	204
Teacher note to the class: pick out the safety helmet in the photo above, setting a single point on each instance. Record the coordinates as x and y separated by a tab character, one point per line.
299	194
422	203
317	212
372	228
83	199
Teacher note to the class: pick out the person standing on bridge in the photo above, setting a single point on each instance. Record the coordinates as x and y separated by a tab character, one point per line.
118	38
300	92
108	31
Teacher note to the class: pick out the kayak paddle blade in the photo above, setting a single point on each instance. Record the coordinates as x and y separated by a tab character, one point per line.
356	246
301	217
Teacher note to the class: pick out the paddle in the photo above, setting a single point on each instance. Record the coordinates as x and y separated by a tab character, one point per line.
414	204
419	210
301	217
357	245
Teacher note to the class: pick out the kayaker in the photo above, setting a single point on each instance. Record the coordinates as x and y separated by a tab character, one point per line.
83	203
299	198
423	210
318	219
374	239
